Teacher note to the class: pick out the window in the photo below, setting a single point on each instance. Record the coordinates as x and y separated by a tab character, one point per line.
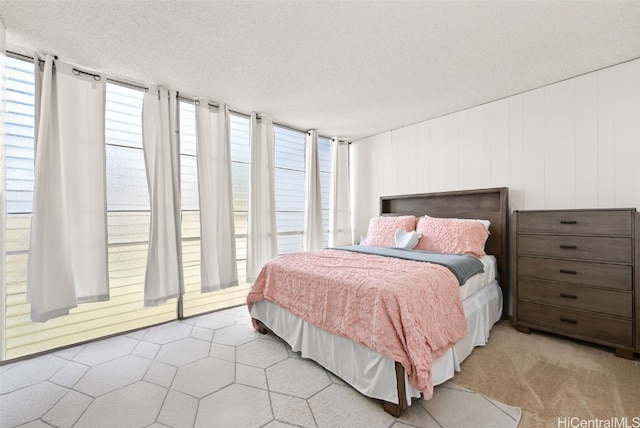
126	177
19	136
290	188
196	302
128	224
128	213
190	202
324	161
240	174
19	197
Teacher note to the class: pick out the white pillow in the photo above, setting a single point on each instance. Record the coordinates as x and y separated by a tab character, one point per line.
407	240
486	223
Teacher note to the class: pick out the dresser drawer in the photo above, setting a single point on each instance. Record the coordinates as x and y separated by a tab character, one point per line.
577	324
616	277
577	297
602	249
576	222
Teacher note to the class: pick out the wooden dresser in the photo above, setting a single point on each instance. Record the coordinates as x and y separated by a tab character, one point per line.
575	274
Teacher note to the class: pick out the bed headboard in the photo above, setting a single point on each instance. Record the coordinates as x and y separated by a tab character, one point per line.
488	204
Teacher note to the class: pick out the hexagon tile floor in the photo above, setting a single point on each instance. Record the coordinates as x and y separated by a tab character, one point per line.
210	371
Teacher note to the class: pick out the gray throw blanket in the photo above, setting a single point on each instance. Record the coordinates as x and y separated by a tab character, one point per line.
461	265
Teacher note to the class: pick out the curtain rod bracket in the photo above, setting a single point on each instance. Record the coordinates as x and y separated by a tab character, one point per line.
78	72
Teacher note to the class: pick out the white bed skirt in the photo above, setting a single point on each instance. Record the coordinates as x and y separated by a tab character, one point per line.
367	371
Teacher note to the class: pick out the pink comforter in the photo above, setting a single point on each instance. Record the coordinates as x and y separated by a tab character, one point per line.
409	311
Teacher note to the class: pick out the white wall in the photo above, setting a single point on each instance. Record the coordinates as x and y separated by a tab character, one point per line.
573	144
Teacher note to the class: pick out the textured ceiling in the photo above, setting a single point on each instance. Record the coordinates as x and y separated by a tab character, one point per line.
349	69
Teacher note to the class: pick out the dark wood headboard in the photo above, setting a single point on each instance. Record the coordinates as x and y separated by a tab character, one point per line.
486	204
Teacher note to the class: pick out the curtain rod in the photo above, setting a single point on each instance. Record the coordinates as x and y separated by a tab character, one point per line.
77	71
128	84
192	100
291	128
17	55
145	88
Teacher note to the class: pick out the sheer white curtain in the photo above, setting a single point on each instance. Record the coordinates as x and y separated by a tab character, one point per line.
312	239
217	230
163	278
68	242
262	238
339	213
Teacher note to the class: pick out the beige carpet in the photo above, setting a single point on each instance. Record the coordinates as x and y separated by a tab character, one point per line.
552	377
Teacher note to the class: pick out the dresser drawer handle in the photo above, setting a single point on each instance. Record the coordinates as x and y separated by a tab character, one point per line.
568	222
568	296
568	247
568	272
569	321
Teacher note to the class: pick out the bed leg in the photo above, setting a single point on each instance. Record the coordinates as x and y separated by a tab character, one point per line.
393	409
262	329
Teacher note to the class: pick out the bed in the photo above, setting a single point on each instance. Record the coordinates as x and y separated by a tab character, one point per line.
379	374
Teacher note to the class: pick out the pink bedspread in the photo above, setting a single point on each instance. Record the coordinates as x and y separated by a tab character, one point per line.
409	311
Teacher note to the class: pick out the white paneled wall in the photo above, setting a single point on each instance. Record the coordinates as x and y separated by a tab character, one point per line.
573	144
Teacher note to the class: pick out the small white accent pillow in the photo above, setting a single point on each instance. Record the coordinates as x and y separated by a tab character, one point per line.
407	240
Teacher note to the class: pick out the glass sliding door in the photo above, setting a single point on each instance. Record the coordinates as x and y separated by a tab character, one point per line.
128	225
195	302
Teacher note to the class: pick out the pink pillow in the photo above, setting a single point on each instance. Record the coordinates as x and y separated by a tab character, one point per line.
448	235
382	230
